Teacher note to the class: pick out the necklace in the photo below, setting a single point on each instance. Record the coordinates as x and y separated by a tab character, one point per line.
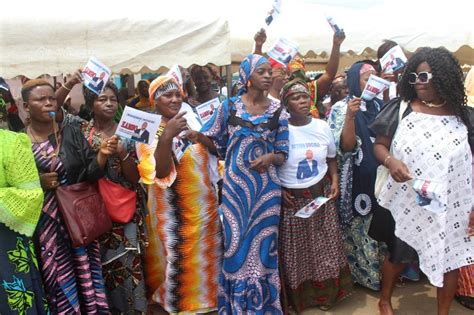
41	144
432	105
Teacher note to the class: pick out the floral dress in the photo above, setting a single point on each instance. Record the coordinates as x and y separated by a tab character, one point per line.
122	248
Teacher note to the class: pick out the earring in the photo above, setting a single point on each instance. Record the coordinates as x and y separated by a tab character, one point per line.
28	118
249	84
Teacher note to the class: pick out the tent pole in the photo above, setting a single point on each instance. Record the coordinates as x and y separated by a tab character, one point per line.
228	73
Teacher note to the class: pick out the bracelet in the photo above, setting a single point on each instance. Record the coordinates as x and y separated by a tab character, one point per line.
64	86
126	157
386	160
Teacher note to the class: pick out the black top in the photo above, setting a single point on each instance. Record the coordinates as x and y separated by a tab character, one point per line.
386	122
78	158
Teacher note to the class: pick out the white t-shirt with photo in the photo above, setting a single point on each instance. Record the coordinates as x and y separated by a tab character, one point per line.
310	145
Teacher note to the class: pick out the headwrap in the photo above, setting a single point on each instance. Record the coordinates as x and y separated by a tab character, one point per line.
294	86
296	64
161	85
247	67
297	68
298	71
275	64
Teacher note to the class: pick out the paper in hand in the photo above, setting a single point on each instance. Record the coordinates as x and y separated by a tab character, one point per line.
138	125
308	210
430	195
175	72
283	51
274	12
206	110
375	85
393	60
96	75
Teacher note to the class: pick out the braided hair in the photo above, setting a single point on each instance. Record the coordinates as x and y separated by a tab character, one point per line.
447	79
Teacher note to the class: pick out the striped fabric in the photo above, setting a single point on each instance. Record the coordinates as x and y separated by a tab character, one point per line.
72	277
466	281
184	256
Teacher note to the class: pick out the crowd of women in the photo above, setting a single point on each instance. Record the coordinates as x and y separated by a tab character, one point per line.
215	229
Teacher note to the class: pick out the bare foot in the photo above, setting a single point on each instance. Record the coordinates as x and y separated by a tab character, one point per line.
385	308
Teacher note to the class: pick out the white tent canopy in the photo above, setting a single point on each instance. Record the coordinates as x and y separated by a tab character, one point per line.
367	23
128	37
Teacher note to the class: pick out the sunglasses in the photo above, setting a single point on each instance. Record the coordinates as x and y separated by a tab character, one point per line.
422	77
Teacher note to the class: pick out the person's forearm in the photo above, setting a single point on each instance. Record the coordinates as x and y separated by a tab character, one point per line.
258	50
101	160
333	62
348	136
62	93
208	143
129	169
278	158
332	170
163	157
382	153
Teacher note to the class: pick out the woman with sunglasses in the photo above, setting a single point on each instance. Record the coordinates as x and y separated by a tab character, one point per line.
428	191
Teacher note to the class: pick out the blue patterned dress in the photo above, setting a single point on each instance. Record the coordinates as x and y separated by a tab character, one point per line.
250	209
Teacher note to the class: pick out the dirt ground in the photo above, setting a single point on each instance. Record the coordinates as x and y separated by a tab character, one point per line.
414	298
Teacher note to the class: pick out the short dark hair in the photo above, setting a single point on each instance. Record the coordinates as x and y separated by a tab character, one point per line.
385	47
447	78
30	85
90	96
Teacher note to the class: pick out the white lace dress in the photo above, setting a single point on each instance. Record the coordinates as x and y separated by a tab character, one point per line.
434	148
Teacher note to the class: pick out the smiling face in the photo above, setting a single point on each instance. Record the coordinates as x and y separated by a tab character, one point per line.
202	80
143	88
299	104
105	105
169	103
261	78
41	101
426	92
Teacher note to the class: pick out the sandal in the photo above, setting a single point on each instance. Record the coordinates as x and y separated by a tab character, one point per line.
465	301
324	307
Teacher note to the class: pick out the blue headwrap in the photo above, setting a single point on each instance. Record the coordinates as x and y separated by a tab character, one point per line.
247	67
365	164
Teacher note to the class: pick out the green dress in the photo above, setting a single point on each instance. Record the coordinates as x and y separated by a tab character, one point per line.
21	199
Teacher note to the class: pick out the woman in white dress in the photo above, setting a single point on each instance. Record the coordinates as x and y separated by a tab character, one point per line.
428	192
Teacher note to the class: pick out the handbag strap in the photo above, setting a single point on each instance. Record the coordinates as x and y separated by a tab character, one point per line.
54	159
401	111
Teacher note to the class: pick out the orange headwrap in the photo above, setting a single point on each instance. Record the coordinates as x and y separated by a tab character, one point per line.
160	82
296	63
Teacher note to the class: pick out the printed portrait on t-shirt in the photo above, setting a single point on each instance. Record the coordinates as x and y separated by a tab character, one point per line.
307	167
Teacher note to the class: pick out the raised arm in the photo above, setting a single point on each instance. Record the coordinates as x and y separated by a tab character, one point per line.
324	82
64	90
260	38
